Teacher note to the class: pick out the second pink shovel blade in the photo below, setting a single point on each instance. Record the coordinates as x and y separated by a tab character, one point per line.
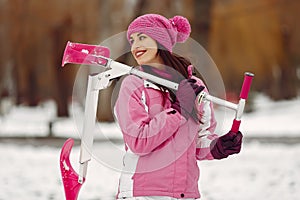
69	175
78	53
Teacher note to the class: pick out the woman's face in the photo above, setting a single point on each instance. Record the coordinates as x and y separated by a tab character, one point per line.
144	49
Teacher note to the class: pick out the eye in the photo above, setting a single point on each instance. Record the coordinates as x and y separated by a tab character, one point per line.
142	37
131	41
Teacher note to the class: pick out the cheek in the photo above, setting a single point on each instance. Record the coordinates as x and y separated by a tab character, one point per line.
152	53
151	44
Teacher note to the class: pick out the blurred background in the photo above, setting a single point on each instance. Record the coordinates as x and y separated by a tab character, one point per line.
261	36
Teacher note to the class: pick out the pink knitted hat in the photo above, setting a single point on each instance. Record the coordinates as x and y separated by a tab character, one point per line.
166	32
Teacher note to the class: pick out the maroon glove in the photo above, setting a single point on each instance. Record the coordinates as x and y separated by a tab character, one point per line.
185	97
226	145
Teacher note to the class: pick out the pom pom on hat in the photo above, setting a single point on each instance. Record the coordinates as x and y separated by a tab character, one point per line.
166	32
183	28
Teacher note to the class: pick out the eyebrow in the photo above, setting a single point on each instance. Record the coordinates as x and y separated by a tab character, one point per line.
137	35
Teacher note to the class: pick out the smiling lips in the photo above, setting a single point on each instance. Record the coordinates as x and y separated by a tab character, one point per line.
139	53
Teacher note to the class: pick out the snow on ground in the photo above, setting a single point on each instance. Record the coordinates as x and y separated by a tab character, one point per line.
270	119
260	171
269	172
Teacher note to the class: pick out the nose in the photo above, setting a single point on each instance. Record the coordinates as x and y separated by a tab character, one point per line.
135	45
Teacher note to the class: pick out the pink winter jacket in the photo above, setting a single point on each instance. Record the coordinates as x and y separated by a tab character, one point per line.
162	147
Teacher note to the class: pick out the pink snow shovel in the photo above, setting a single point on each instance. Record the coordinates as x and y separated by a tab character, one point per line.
98	55
77	53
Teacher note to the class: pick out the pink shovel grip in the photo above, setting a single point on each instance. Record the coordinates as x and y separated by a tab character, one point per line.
243	95
235	125
246	85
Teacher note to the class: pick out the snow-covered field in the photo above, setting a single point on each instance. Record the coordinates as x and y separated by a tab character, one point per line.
260	171
268	172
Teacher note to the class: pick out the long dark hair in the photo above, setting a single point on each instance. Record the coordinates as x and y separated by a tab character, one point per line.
178	63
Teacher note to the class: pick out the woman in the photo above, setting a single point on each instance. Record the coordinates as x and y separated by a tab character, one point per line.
165	132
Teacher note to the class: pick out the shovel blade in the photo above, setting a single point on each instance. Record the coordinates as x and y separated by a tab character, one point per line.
78	53
69	175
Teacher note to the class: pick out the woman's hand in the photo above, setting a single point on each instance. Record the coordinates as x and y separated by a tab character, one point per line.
226	145
185	97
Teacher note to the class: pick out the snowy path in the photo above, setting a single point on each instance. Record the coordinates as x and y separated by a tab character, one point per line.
268	172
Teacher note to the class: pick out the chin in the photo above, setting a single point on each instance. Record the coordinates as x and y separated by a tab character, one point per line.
141	63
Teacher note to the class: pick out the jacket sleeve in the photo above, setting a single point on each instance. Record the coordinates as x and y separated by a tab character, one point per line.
141	133
207	128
